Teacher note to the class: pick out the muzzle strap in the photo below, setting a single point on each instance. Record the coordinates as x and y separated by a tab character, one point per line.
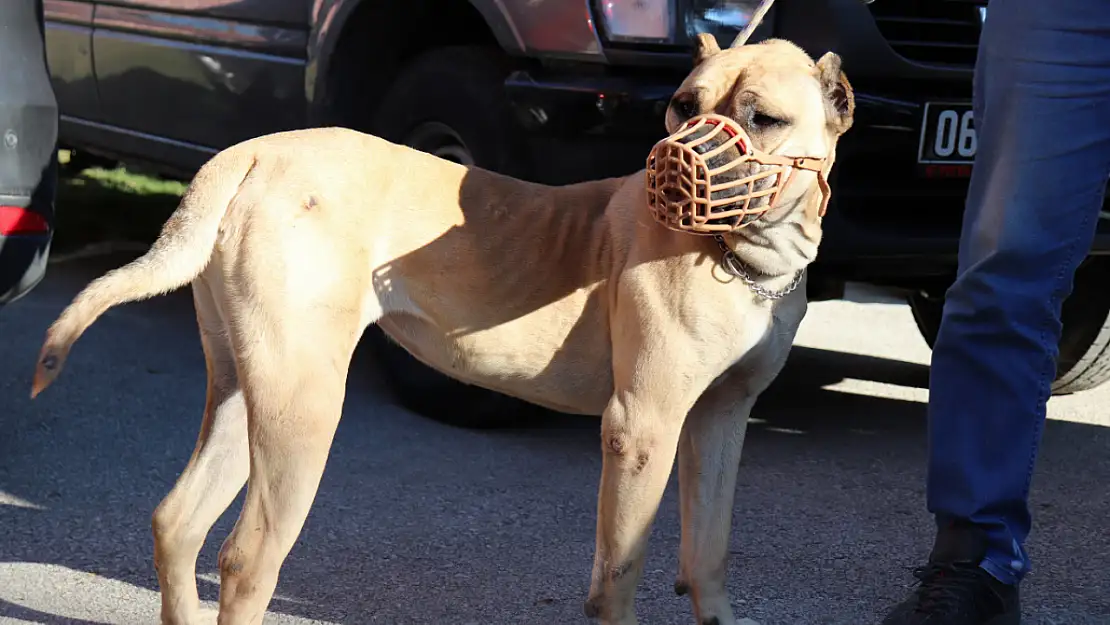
808	163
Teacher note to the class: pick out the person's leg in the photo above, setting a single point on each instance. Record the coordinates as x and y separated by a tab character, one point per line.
1043	118
1042	110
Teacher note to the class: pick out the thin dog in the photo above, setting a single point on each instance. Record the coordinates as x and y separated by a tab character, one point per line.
578	297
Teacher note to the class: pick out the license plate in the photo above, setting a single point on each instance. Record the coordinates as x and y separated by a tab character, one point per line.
947	134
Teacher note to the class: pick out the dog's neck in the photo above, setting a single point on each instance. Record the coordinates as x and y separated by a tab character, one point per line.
774	249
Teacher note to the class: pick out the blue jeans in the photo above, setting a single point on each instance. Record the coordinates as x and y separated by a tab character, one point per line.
1042	112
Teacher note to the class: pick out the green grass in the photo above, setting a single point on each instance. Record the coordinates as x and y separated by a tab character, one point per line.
98	204
120	180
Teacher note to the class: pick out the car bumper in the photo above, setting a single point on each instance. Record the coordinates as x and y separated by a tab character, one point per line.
889	218
23	260
28	160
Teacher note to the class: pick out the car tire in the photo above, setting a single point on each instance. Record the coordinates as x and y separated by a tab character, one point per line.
1084	358
450	102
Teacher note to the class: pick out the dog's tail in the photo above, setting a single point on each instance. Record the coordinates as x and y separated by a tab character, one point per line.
178	255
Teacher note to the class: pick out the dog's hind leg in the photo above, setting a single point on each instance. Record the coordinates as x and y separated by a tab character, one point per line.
215	473
294	372
708	460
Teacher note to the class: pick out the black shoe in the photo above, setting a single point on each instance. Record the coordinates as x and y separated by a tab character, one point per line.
953	590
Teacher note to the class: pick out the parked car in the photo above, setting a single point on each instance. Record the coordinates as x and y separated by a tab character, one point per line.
28	150
553	91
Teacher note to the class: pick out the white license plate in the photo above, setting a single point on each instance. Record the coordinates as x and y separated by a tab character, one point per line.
947	134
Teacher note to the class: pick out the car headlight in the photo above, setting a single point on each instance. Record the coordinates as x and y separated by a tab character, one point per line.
643	21
674	22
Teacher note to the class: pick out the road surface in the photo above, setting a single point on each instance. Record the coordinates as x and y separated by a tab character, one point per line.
420	523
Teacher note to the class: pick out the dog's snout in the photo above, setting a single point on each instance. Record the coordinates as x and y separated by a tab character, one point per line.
684	105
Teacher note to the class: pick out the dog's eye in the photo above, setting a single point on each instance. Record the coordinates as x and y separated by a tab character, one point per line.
763	121
685	105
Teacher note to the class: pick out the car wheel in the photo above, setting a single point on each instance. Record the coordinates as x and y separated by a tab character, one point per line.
1084	358
450	102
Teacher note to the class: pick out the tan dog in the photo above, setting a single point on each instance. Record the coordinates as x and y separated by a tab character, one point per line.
570	297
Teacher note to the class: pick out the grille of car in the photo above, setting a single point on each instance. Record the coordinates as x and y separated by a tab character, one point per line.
937	32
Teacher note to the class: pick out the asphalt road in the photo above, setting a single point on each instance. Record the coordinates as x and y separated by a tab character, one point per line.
420	523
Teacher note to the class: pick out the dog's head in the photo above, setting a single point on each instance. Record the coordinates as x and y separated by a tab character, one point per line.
787	105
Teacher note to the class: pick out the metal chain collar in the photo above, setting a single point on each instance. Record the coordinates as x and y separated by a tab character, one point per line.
733	265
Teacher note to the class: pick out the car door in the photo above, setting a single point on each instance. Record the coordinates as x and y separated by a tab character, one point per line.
200	75
69	58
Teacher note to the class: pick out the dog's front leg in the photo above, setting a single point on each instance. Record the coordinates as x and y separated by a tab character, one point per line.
708	461
640	431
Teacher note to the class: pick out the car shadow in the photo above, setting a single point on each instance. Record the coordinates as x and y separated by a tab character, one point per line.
98	205
422	513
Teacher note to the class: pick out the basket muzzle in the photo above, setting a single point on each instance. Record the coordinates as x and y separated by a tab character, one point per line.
708	178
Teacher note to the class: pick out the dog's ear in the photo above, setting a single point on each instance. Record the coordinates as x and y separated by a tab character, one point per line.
839	98
705	46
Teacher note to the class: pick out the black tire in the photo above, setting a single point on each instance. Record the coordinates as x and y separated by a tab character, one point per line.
461	90
1084	359
457	93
